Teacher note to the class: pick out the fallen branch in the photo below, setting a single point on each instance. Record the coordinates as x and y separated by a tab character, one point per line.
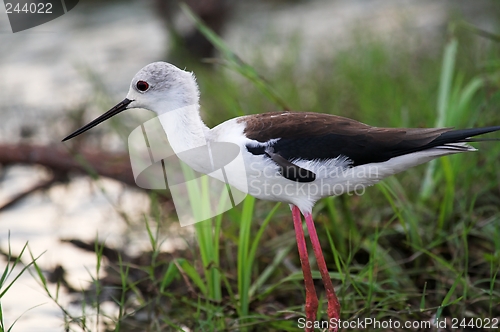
62	161
42	185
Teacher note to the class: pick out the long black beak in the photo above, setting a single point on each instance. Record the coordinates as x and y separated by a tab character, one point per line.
120	107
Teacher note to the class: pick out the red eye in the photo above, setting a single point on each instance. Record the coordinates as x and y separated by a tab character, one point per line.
142	86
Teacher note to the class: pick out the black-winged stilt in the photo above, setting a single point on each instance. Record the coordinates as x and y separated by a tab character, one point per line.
306	156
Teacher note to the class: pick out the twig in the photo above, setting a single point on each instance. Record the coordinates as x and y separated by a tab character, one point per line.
39	186
60	160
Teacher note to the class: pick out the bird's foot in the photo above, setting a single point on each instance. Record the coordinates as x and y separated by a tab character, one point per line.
333	313
311	308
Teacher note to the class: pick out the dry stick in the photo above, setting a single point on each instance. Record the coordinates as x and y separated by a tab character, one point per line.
190	287
39	186
61	160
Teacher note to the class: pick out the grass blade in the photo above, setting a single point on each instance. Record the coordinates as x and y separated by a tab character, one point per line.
445	82
191	272
244	263
234	61
447	298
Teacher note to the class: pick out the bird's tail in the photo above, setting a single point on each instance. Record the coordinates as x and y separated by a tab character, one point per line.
464	135
458	139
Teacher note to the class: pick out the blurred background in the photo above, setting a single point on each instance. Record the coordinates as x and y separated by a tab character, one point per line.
383	62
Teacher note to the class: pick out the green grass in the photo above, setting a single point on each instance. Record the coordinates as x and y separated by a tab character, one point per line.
422	244
7	280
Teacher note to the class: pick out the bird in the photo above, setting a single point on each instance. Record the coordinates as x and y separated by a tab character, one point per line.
291	157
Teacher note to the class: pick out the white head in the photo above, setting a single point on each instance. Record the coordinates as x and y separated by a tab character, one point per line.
159	87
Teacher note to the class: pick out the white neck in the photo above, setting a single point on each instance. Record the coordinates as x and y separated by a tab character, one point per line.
184	128
186	131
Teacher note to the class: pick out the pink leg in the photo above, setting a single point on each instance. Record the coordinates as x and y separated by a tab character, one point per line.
311	298
333	302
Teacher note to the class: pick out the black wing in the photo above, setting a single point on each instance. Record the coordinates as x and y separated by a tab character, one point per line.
315	136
